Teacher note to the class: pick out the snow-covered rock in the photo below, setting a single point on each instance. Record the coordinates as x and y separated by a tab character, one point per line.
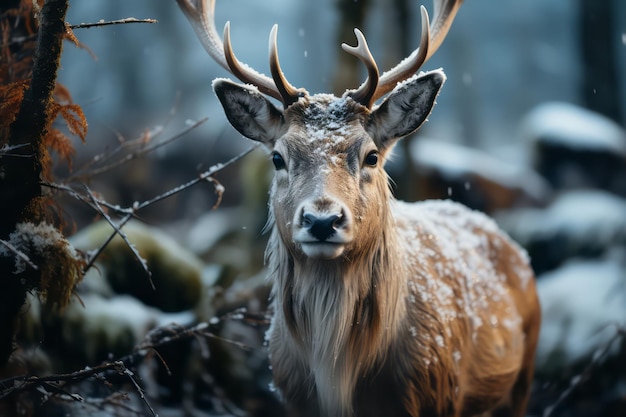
574	148
583	305
95	328
584	223
473	177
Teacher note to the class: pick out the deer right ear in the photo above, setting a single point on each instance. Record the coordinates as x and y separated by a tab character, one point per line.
248	111
406	108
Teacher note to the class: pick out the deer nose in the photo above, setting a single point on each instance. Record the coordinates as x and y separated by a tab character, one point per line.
321	228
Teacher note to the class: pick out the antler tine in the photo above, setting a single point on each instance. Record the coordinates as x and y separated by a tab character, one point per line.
246	74
431	38
201	15
289	93
445	12
366	91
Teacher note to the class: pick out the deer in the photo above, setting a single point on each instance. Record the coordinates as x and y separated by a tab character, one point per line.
380	307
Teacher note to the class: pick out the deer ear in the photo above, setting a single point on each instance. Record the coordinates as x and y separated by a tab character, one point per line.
253	115
406	108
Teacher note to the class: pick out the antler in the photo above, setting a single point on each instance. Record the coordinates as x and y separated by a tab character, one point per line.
431	38
365	93
201	15
289	93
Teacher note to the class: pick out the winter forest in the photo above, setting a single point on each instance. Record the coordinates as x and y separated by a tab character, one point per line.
132	214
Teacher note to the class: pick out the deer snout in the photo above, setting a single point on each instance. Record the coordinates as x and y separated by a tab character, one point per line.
322	229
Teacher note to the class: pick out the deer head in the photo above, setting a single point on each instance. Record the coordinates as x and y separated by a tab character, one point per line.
328	151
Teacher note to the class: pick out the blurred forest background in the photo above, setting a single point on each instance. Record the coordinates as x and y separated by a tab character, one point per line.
529	128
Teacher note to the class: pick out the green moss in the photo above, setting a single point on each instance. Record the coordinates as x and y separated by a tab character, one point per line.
175	272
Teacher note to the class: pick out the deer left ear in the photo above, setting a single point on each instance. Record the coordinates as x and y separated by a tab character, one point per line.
249	112
406	108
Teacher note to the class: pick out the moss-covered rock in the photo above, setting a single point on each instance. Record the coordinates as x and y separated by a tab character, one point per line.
175	272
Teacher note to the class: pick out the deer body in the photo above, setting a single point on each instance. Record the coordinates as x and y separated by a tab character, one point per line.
381	308
424	324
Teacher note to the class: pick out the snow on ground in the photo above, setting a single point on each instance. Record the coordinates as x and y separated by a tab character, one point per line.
591	216
582	303
105	324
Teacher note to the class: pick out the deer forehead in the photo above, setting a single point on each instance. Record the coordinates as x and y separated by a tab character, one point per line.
326	129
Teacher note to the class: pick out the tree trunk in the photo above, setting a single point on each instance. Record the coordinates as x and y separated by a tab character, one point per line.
351	15
20	183
599	66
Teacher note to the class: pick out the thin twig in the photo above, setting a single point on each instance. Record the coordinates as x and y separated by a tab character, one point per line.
146	148
117	230
158	337
19	254
579	379
203	176
104	157
112	22
131	211
114	400
23	383
6	150
22	39
139	389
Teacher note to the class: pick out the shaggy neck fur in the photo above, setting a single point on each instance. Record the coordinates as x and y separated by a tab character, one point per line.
341	312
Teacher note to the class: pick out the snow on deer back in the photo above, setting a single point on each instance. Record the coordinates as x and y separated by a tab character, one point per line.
381	308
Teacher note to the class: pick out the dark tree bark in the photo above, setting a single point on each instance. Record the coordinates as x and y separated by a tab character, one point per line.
351	15
20	180
599	66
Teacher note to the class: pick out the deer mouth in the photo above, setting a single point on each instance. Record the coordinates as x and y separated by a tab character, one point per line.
322	249
326	246
329	247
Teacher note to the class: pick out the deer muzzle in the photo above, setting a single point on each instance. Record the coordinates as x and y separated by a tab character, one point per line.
322	228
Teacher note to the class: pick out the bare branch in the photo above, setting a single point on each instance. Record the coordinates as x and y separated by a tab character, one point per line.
145	148
118	230
21	39
156	338
128	213
19	253
203	176
598	358
112	22
139	389
131	211
6	150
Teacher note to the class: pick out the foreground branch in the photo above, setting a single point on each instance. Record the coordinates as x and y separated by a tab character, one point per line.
127	366
128	213
585	375
22	39
112	22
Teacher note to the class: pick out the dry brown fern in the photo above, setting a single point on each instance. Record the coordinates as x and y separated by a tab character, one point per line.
18	43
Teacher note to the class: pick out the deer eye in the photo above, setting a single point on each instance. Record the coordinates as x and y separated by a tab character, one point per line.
278	161
372	158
